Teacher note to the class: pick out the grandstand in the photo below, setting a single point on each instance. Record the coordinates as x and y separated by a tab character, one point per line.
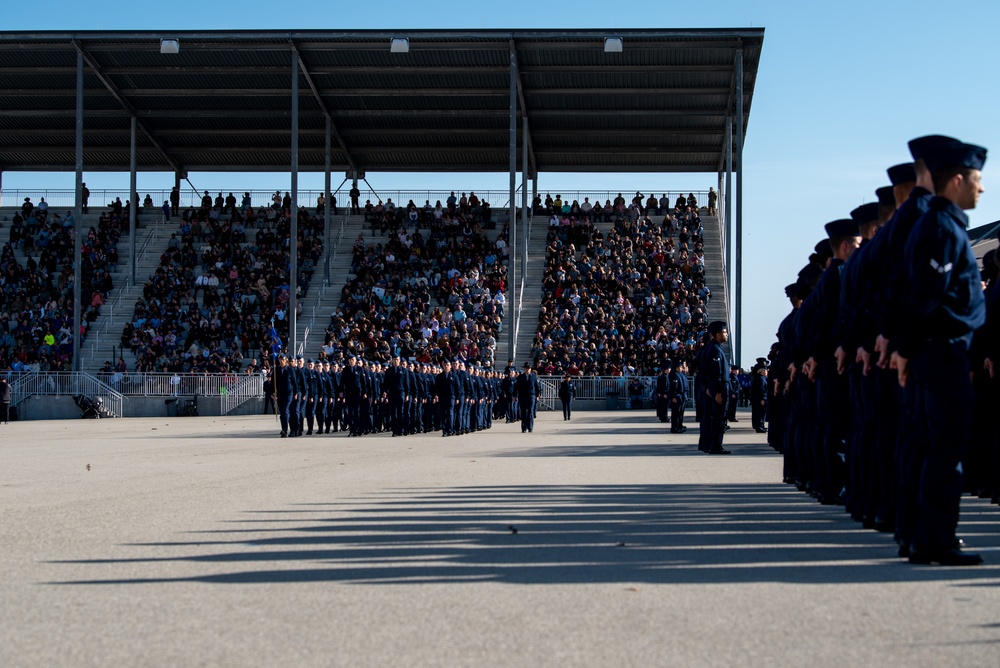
669	101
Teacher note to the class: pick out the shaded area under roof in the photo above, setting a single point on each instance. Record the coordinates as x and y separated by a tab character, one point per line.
224	102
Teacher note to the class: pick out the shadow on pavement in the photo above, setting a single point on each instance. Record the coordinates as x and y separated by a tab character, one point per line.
720	533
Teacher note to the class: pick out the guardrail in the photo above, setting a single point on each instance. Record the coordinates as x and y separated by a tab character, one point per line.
70	384
114	389
109	316
100	198
241	391
613	389
171	385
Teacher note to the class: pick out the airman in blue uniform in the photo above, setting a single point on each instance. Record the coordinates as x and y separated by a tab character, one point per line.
944	307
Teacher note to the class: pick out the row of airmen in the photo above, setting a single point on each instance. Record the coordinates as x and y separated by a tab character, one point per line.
366	397
871	402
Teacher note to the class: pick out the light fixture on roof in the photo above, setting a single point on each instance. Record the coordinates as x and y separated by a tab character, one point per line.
399	45
170	45
612	45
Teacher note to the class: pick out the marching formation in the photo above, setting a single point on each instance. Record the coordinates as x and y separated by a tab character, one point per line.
871	401
367	397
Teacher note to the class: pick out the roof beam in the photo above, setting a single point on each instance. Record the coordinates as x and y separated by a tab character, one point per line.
361	113
319	94
304	72
125	105
390	69
533	164
693	36
268	132
729	107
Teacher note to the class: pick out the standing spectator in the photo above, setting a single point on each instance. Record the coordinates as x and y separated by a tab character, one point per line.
355	194
175	201
86	197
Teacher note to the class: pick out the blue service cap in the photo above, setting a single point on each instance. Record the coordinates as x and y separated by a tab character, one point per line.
281	356
791	290
810	272
920	145
843	227
865	213
299	357
886	197
955	154
822	248
902	173
310	361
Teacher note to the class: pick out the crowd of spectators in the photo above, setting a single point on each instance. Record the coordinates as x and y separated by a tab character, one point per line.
429	285
36	284
623	287
467	209
221	292
623	299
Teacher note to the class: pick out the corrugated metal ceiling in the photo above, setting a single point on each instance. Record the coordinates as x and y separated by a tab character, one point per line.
224	101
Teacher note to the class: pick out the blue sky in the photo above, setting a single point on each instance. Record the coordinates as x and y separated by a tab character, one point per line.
841	88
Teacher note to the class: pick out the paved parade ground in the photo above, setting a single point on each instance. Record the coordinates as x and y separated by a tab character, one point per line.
209	541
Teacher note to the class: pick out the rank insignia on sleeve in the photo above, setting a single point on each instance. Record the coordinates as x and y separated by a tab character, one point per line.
939	268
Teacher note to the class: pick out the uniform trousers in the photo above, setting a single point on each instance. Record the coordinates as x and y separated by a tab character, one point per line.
944	405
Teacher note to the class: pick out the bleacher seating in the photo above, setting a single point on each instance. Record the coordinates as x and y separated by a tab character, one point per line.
36	296
624	300
426	289
221	293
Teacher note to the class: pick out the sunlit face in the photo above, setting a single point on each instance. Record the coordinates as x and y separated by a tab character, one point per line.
849	245
969	190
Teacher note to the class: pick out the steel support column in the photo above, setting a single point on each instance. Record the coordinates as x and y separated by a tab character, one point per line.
327	232
727	228
512	296
78	216
739	205
133	210
524	198
293	236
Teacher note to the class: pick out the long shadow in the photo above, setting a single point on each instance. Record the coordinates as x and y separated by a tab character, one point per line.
668	448
720	534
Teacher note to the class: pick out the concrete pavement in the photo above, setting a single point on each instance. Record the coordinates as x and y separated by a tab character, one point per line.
208	541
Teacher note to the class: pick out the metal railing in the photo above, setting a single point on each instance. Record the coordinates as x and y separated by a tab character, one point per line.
153	384
70	384
101	198
602	388
108	318
242	390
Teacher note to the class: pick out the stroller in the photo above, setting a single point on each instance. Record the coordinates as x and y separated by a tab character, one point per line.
93	409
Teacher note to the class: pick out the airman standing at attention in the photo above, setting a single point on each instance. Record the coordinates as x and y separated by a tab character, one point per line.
526	388
945	305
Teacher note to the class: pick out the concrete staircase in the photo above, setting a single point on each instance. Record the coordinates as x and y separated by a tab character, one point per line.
324	295
103	342
531	300
715	275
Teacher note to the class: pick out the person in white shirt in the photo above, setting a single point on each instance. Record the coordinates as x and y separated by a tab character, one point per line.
499	300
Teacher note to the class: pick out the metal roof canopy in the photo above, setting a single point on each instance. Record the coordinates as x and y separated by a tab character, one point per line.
223	103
